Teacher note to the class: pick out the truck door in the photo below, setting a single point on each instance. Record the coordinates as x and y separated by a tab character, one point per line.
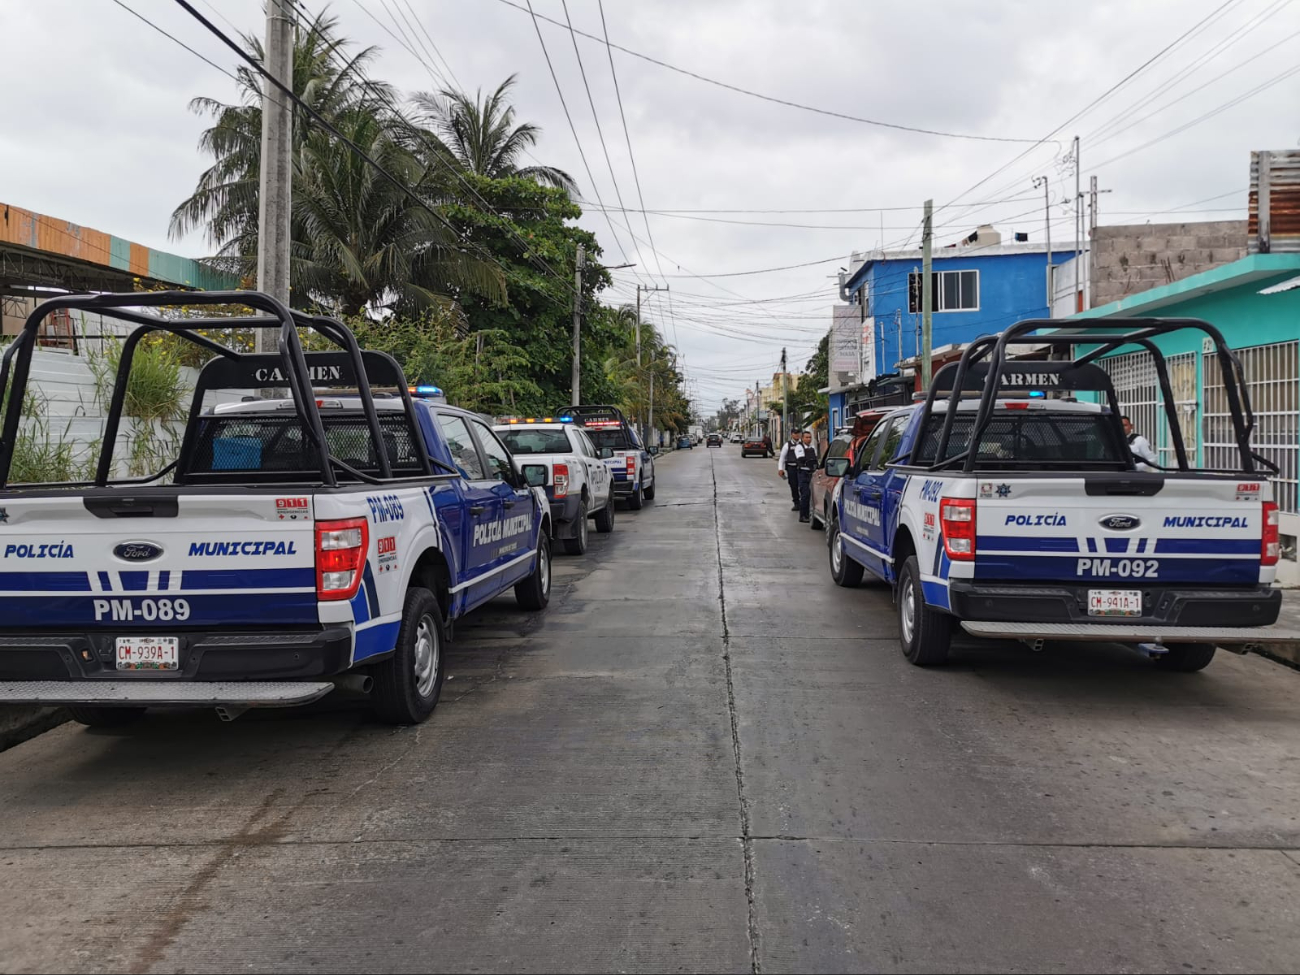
513	539
861	505
598	475
482	507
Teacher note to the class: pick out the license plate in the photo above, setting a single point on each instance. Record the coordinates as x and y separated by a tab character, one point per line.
148	653
1114	602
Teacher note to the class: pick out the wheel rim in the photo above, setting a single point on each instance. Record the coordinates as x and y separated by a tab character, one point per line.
426	656
837	550
907	610
544	569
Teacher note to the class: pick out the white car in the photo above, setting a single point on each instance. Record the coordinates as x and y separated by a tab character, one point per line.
559	457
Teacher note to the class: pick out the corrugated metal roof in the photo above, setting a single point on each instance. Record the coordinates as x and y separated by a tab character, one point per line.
50	235
1280	187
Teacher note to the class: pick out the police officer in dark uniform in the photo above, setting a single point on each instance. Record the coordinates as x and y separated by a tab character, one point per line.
805	463
787	465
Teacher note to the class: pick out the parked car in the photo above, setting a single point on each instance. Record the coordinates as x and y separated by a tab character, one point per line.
844	444
754	445
715	440
737	438
685	442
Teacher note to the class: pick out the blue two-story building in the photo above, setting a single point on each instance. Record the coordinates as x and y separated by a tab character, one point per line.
980	286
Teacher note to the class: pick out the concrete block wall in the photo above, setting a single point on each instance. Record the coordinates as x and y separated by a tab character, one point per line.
1130	259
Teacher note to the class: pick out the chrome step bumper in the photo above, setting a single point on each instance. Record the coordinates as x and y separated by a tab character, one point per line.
1132	633
145	693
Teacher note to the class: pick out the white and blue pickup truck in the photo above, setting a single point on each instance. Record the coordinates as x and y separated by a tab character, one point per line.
1009	504
306	539
628	460
558	457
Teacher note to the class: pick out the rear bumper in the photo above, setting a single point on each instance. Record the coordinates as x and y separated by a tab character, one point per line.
1161	605
204	656
625	488
135	693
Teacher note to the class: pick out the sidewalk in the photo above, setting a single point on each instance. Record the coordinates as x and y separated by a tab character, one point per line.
1288	619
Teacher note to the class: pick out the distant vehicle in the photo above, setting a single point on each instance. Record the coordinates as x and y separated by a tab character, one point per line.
560	458
684	442
696	433
737	438
621	448
845	444
715	440
755	446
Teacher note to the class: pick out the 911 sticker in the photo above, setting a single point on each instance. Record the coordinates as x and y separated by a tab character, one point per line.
1121	568
293	509
387	548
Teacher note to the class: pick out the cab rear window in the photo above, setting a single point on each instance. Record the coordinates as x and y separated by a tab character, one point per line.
1030	438
536	441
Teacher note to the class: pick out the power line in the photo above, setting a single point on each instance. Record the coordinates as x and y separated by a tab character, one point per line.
425	31
768	98
393	15
667	211
176	40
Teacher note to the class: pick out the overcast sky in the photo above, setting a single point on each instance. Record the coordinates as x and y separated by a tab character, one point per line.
97	128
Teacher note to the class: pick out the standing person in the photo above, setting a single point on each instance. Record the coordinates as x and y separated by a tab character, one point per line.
787	466
1138	444
767	445
806	464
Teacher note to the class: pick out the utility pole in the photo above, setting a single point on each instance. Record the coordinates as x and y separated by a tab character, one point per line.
577	325
1047	228
1078	229
639	288
927	294
785	397
275	196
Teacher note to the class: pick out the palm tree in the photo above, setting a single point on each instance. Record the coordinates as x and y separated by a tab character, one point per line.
482	135
357	239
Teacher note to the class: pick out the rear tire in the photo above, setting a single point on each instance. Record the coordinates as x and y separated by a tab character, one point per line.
534	592
925	633
650	491
97	717
408	684
605	516
578	543
634	500
844	570
1186	657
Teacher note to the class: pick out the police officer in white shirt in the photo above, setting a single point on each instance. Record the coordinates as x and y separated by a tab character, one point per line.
787	465
1138	444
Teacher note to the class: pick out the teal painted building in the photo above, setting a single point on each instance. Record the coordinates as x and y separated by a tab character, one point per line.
1255	303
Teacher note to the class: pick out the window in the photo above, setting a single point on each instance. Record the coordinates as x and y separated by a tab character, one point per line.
839	447
463	452
835	419
1045	440
584	442
498	458
892	439
869	447
536	441
950	290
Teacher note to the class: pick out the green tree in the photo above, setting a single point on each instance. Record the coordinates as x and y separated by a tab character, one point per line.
805	401
481	134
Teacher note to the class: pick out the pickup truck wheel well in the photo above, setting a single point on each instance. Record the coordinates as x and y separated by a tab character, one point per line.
432	573
903	548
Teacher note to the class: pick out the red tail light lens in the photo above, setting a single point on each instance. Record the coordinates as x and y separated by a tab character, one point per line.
561	472
1270	546
957	517
631	464
341	548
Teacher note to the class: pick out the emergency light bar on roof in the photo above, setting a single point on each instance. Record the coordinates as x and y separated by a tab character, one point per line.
532	419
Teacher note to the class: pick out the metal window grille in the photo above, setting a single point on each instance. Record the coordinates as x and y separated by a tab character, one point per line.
1182	379
1134	377
1273	380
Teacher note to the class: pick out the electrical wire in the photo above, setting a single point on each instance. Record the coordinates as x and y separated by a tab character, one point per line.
175	40
770	98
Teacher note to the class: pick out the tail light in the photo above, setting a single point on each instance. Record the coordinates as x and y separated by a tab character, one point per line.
1269	544
957	517
631	464
561	472
341	548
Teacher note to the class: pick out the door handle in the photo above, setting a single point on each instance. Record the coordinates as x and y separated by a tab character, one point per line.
508	503
477	509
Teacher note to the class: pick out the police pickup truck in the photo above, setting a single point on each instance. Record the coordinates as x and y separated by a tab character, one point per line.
1009	504
621	448
299	543
558	457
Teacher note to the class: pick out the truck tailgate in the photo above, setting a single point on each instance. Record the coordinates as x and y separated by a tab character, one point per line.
156	560
1194	530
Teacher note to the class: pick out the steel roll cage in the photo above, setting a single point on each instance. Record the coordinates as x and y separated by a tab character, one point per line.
1136	331
18	357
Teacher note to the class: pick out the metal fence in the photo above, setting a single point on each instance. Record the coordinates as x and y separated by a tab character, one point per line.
1273	380
1134	377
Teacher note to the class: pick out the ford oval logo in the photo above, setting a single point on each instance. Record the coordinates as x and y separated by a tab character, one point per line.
138	551
1120	523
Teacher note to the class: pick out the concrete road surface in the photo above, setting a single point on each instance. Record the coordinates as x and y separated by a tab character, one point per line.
703	757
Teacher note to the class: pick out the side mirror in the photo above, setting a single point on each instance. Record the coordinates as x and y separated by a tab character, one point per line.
534	475
606	453
837	466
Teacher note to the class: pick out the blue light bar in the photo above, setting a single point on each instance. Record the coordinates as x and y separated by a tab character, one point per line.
1037	394
566	419
425	391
